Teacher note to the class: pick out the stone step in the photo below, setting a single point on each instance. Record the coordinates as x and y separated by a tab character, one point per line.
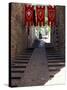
17	71
58	57
25	54
60	63
54	68
56	61
16	75
18	66
26	51
56	65
15	83
50	50
48	45
54	55
22	58
51	76
19	62
50	58
16	78
52	73
29	49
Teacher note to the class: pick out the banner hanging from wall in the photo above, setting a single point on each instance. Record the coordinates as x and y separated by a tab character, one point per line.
40	15
52	15
29	15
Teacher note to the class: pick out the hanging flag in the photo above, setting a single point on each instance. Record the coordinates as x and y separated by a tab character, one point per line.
51	15
29	15
40	15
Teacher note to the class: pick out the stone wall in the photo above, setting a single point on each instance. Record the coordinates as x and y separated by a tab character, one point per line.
58	33
60	17
18	33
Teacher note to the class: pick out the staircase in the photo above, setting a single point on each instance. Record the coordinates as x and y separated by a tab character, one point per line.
55	61
19	65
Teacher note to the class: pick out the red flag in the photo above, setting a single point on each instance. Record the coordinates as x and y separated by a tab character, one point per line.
40	14
29	14
52	15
